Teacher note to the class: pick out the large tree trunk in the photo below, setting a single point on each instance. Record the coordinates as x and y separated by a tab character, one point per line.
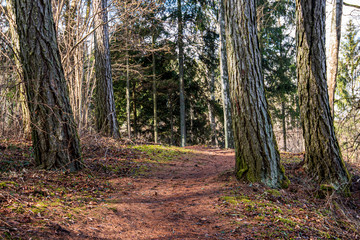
323	157
333	52
55	140
181	76
229	137
257	155
106	121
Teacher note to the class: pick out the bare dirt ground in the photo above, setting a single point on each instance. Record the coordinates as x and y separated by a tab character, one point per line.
176	201
156	192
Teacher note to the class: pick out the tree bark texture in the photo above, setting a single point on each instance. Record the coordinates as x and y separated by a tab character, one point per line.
106	121
323	158
22	95
257	155
55	139
333	52
228	132
181	76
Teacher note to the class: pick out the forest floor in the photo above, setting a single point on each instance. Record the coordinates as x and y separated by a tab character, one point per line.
129	191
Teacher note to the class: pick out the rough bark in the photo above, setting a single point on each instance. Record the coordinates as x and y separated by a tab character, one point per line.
323	158
257	155
22	95
55	140
181	76
106	121
333	53
228	132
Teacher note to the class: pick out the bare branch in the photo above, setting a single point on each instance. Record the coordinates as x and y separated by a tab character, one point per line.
351	5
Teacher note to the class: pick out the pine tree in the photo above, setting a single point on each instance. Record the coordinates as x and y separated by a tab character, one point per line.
323	157
54	133
257	156
105	115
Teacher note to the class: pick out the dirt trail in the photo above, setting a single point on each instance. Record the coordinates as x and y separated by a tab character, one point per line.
177	201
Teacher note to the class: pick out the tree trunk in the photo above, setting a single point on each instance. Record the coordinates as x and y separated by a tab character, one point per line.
257	155
283	113
154	93
69	63
22	94
55	140
170	108
229	137
128	106
135	111
192	117
181	76
323	158
333	52
214	141
105	115
128	110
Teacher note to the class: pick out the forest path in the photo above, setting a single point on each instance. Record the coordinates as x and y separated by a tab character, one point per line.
178	200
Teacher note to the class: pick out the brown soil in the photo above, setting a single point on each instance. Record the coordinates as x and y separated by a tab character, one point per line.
193	195
177	201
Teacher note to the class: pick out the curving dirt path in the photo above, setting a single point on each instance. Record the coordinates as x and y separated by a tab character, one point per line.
177	201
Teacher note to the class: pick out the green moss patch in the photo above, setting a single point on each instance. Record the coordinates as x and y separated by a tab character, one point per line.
158	153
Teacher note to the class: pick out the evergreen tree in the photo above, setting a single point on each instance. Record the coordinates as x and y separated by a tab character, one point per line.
181	73
54	133
349	78
333	50
257	156
323	157
228	131
278	60
105	116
